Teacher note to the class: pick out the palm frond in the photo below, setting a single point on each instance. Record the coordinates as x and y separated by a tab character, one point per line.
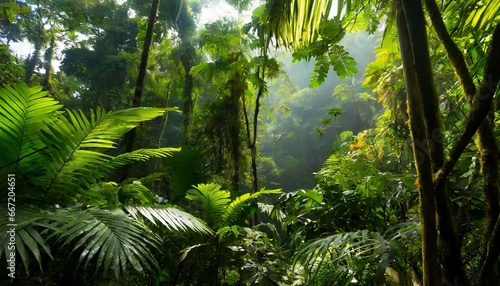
485	14
75	148
23	112
232	211
345	256
109	194
185	169
111	237
139	155
29	241
59	154
296	23
212	199
171	218
108	239
135	193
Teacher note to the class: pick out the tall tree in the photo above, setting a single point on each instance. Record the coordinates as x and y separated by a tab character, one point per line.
411	29
223	42
139	86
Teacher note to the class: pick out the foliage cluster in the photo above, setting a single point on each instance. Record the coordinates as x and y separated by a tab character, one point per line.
388	161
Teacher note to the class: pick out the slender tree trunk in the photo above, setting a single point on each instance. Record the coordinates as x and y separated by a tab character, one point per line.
187	63
49	55
486	276
253	145
237	82
491	250
423	164
165	116
139	86
30	64
480	107
450	249
186	30
252	137
486	141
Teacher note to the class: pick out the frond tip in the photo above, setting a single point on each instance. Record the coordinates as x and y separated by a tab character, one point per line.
171	218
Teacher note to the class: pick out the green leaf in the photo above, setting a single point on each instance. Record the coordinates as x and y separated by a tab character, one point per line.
342	63
213	201
172	218
23	112
232	211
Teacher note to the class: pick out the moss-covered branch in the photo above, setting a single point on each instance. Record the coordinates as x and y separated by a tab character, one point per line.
480	107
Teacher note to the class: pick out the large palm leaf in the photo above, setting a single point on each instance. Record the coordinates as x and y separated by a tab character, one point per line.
342	258
23	112
233	210
216	206
112	237
213	201
171	218
107	239
59	155
75	148
295	23
27	234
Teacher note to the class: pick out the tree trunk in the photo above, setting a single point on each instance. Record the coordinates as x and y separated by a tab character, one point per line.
49	55
31	62
489	85
236	83
423	164
139	86
252	137
486	141
450	248
187	63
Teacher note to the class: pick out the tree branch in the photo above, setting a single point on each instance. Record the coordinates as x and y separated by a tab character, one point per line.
454	54
480	107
